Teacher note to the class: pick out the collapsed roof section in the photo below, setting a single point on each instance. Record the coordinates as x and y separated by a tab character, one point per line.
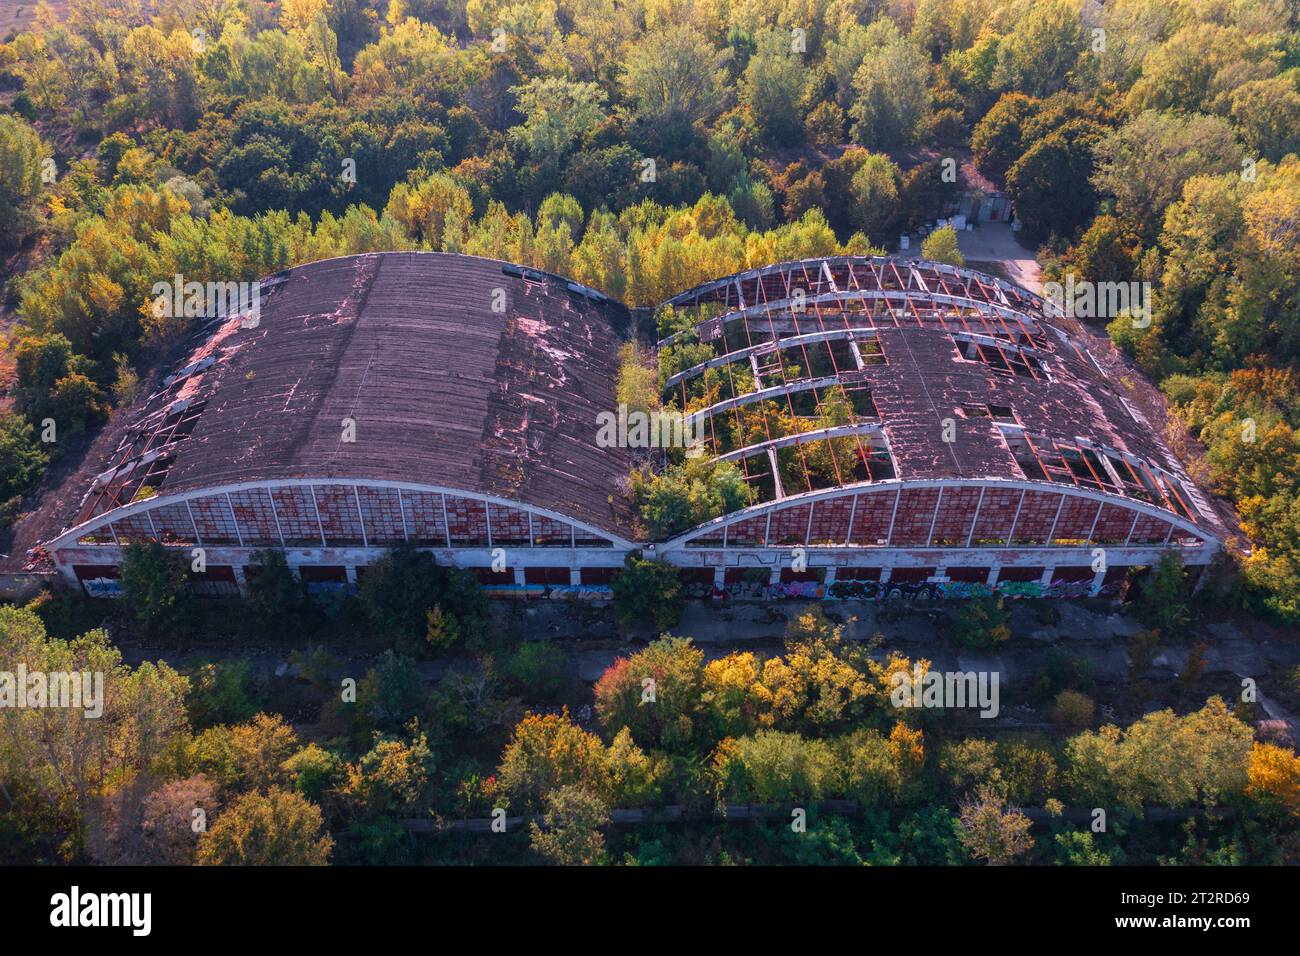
836	371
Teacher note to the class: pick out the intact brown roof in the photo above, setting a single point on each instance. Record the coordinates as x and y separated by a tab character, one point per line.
443	388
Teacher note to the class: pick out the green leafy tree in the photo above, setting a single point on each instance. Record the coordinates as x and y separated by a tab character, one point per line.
1078	848
22	462
636	386
55	761
21	156
391	780
874	188
401	588
558	113
246	756
279	601
547	753
982	622
1163	759
1106	252
1051	184
772	87
687	494
772	767
998	139
1042	50
1163	600
155	585
1267	112
941	246
314	771
657	694
890	90
673	78
388	696
537	669
1145	162
648	592
222	692
569	834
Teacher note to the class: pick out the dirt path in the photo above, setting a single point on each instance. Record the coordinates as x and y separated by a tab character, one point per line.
993	244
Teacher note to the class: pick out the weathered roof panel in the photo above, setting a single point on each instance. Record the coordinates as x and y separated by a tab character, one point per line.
396	366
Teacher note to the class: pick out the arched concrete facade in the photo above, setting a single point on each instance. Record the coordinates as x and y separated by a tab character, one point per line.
339	524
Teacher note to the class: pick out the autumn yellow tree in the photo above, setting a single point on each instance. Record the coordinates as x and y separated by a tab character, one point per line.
1274	774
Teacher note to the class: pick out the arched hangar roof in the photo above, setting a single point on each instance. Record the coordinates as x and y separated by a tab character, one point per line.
839	371
444	370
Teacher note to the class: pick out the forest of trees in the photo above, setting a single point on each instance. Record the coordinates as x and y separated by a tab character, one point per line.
814	723
641	146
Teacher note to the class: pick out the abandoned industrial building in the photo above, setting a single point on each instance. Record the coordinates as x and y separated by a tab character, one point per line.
903	427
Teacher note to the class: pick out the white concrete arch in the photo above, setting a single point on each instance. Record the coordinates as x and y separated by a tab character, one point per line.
72	536
711	528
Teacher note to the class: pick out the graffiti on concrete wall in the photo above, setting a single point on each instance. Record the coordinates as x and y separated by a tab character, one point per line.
893	591
556	592
103	587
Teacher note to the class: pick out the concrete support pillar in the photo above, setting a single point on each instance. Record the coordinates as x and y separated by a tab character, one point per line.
775	577
885	574
575	577
719	580
1046	578
1098	580
830	576
519	577
992	579
1201	577
241	581
351	571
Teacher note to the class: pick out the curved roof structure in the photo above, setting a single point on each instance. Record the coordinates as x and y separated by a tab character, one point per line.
839	372
453	401
437	370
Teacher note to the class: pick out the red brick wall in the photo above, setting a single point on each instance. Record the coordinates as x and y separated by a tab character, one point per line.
871	520
1037	512
339	517
133	528
915	515
1113	525
1149	530
547	532
996	512
213	521
424	518
956	512
297	516
747	533
467	521
830	524
381	510
1075	522
789	526
255	517
509	526
174	524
